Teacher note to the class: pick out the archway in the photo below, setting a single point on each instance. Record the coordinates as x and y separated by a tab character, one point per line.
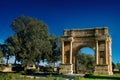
96	38
85	61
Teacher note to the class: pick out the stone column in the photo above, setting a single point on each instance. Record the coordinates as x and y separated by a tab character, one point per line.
110	55
106	51
70	52
74	63
96	52
62	52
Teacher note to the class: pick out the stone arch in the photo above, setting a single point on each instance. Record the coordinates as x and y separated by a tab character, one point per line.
85	46
74	57
96	38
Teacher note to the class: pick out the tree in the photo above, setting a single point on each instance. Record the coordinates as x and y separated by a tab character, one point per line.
5	52
113	66
14	46
1	54
85	62
118	65
90	62
81	61
55	55
32	40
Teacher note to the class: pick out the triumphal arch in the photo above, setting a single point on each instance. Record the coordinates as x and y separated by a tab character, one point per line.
96	38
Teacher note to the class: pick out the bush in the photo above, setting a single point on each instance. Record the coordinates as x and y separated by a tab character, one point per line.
88	75
31	71
48	69
17	68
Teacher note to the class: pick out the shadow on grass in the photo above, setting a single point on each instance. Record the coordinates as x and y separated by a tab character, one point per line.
91	76
45	74
49	74
8	72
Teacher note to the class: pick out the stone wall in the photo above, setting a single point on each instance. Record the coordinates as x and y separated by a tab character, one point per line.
66	68
7	68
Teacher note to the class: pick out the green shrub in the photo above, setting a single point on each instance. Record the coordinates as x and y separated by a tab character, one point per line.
48	69
31	71
17	68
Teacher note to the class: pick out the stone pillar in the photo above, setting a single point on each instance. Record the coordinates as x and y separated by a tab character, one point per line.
106	51
62	52
110	57
74	63
70	52
96	52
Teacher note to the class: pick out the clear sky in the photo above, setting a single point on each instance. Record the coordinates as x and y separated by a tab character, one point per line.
65	14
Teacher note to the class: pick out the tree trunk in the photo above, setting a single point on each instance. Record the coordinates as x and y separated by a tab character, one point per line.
37	66
7	60
54	65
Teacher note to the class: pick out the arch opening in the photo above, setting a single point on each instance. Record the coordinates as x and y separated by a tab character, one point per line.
85	60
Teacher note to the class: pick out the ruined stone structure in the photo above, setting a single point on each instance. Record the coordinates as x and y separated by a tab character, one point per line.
96	38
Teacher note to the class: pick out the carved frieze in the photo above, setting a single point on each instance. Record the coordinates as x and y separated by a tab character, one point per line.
86	32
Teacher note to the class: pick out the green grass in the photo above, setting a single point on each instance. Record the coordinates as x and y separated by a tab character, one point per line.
17	76
101	77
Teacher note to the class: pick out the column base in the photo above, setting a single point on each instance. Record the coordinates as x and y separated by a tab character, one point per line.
66	68
102	69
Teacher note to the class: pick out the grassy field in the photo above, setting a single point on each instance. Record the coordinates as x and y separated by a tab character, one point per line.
18	76
101	77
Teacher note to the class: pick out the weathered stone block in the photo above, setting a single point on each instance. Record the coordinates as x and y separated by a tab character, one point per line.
66	68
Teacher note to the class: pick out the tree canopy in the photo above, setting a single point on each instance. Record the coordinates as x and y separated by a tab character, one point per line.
85	62
30	41
1	53
56	46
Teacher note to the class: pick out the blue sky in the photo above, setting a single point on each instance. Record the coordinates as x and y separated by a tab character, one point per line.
65	14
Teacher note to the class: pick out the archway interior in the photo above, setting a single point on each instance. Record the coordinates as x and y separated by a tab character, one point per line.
85	60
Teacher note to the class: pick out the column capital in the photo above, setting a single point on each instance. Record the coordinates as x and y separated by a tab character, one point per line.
67	38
